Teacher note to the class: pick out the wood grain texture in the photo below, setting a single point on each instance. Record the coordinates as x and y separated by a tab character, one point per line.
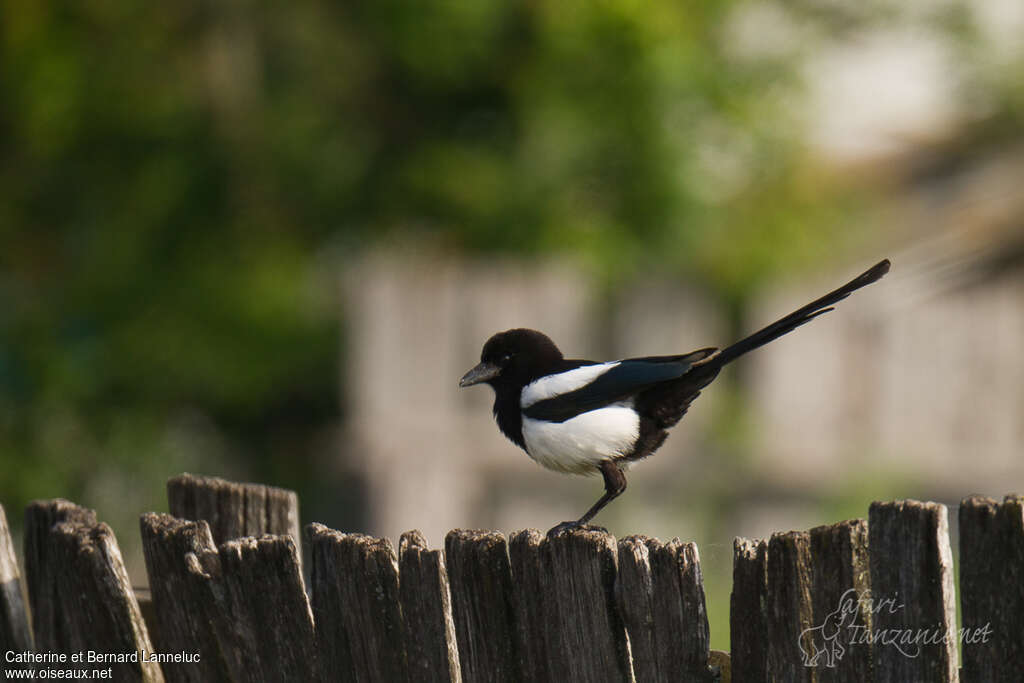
182	607
788	606
260	616
992	588
235	510
79	589
44	602
747	619
588	637
480	579
356	606
431	651
530	599
15	633
912	592
660	595
796	612
841	577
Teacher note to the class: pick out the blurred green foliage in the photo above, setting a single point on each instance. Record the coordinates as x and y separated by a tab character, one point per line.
178	180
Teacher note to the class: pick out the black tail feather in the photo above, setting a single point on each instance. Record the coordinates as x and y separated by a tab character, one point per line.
799	316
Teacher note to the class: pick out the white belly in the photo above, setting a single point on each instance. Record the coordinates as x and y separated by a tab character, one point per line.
580	443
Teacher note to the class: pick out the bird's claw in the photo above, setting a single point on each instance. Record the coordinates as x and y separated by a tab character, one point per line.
560	529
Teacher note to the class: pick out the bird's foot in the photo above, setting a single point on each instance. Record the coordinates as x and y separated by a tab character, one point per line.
560	529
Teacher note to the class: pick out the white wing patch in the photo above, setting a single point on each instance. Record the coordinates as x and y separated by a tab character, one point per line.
577	445
561	383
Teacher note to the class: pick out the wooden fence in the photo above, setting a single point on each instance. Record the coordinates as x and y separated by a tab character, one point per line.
856	601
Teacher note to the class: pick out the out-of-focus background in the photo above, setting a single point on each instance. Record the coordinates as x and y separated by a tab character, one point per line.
264	241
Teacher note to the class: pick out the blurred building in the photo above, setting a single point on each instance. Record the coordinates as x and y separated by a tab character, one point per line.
914	387
430	452
915	381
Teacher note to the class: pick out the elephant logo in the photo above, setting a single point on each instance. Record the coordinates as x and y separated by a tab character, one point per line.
822	644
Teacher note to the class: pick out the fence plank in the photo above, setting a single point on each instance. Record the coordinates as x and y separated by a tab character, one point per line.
259	612
771	608
749	656
480	579
842	619
992	588
15	634
431	651
789	610
235	510
355	605
912	592
796	606
79	589
660	594
180	599
589	637
45	605
533	638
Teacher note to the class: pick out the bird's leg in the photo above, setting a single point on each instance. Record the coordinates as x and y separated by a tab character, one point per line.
614	485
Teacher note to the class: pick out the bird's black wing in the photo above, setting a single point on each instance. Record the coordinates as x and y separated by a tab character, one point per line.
622	381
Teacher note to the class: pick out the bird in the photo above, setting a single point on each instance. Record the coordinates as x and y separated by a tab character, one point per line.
588	417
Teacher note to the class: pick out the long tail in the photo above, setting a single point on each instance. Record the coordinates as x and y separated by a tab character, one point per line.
799	316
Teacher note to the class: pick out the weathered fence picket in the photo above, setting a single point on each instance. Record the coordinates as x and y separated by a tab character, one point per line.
79	591
14	628
992	588
236	612
235	510
480	581
747	630
259	610
356	605
587	636
431	652
536	649
182	621
660	595
855	601
913	604
841	579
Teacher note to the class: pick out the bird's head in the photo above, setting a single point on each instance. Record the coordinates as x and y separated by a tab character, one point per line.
513	357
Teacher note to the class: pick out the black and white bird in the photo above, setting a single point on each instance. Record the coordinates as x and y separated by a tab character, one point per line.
584	417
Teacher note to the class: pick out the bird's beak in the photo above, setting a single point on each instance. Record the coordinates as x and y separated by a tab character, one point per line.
481	373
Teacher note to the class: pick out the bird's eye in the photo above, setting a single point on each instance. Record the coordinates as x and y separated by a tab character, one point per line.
506	358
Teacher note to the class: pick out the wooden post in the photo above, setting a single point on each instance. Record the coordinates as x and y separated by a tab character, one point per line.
789	611
79	589
235	510
45	605
660	594
180	600
796	613
260	615
242	607
589	638
747	628
15	634
992	588
431	651
480	578
531	592
355	605
771	608
841	579
914	618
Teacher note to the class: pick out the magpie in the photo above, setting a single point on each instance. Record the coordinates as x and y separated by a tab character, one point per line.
585	417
